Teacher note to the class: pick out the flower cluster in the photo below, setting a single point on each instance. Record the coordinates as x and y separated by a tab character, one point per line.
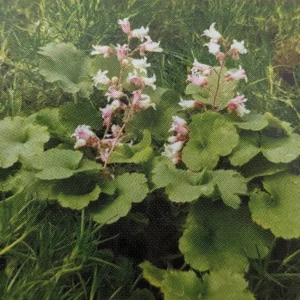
124	93
176	142
209	78
201	73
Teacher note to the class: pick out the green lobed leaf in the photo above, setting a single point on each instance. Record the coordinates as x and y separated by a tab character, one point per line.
259	166
281	150
50	117
75	192
156	121
55	164
181	186
68	66
153	274
178	285
138	153
278	209
131	188
246	149
225	285
218	237
211	136
74	114
20	138
254	122
276	127
230	185
175	285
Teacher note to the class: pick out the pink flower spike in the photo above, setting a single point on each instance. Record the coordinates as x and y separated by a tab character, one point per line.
212	33
105	50
125	25
237	75
122	51
213	47
237	104
198	79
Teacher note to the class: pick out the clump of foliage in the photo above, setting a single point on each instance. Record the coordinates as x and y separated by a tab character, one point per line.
221	190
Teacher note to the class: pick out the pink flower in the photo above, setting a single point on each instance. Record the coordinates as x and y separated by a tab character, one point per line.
141	101
237	75
141	64
179	125
237	104
150	46
136	98
82	134
185	104
172	151
125	25
122	51
198	79
107	114
134	79
149	81
213	47
105	50
212	33
113	93
205	69
140	33
236	48
101	78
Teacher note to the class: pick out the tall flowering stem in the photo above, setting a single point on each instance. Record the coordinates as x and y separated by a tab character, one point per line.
201	77
125	95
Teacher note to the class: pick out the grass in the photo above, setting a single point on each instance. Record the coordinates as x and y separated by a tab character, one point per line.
67	264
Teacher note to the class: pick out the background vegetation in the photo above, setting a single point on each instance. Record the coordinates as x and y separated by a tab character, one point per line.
75	263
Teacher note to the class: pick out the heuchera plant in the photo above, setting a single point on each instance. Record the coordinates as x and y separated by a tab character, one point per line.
120	101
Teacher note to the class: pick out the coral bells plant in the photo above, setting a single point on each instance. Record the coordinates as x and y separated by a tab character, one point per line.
125	93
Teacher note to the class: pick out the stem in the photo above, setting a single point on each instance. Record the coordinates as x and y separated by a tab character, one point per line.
118	136
218	83
17	241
